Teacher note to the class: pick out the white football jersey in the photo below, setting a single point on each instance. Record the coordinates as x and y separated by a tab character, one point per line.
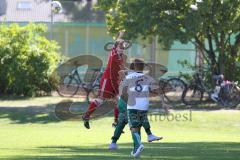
139	86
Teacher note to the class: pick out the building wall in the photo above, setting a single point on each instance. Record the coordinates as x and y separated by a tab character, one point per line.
3	7
80	30
89	38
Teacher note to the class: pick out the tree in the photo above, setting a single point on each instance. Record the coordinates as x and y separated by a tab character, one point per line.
212	25
27	60
81	10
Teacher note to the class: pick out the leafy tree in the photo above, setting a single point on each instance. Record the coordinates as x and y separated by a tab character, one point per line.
81	10
27	60
212	25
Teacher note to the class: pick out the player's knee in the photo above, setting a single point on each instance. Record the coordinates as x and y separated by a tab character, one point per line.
98	101
134	129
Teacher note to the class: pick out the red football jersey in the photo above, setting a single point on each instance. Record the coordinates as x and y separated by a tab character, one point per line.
114	65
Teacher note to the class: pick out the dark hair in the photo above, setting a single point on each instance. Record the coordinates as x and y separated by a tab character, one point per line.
131	66
138	64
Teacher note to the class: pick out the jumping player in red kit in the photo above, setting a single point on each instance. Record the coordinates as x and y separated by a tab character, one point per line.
109	82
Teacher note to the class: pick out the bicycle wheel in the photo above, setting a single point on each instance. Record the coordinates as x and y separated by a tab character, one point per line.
127	44
192	95
173	90
68	86
109	46
229	96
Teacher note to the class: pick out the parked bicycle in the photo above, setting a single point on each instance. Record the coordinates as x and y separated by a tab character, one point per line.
173	88
71	83
227	96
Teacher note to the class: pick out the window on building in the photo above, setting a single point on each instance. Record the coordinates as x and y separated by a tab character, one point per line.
24	5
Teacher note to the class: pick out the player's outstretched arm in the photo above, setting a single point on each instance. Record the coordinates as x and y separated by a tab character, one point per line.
120	35
155	92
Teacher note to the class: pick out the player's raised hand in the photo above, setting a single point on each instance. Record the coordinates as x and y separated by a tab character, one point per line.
120	34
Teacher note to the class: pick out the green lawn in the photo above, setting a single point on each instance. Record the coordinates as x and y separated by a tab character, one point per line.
29	130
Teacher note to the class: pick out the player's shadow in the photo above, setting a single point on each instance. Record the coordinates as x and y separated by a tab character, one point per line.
163	151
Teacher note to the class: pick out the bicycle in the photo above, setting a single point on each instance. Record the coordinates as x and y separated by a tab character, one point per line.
172	89
229	94
126	44
71	83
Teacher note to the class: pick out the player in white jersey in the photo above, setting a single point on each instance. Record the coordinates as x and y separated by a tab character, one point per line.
122	117
136	89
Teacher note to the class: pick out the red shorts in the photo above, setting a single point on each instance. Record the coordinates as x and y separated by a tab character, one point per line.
108	88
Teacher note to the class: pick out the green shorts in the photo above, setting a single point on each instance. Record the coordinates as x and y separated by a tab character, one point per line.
136	118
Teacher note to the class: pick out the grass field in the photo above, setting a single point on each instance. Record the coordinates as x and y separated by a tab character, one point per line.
29	130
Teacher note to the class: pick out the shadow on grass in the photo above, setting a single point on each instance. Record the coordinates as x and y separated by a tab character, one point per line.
163	151
29	114
52	113
57	112
15	98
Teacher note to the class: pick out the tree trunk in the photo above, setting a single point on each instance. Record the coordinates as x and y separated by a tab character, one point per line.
221	58
221	63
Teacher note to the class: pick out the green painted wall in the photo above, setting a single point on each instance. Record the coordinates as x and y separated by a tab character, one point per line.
89	38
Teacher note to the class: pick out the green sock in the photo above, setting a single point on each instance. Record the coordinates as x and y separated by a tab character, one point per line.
118	131
139	132
122	120
148	131
136	140
146	126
